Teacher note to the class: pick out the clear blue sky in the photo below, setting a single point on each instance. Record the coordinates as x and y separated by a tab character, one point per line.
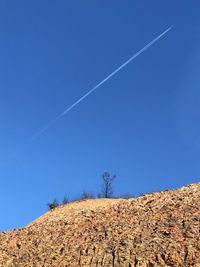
142	125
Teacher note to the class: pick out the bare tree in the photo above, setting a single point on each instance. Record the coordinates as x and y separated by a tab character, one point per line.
107	187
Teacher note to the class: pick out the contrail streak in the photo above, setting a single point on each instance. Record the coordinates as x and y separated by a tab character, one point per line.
51	123
98	85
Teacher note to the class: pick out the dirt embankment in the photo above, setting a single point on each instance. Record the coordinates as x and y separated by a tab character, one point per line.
160	229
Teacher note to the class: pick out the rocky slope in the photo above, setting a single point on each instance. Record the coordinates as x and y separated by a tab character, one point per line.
159	229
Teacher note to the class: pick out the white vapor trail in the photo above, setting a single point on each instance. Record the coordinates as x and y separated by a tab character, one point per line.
51	123
98	85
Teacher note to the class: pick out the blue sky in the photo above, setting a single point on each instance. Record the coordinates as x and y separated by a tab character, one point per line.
142	125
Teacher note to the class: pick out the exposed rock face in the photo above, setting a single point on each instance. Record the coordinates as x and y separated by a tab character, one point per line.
160	229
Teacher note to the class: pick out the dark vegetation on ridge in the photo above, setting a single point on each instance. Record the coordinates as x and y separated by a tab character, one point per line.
106	192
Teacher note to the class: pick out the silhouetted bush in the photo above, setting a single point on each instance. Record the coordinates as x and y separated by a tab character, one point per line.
53	205
65	200
86	195
127	196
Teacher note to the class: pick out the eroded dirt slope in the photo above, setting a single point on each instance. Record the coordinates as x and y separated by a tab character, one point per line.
160	229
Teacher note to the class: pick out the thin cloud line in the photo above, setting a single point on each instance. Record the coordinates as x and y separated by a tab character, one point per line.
51	123
45	128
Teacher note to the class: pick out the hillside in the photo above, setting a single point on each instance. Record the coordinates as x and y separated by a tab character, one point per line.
159	229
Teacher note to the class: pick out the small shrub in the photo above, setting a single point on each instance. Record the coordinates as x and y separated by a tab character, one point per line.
127	196
53	205
85	195
65	200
